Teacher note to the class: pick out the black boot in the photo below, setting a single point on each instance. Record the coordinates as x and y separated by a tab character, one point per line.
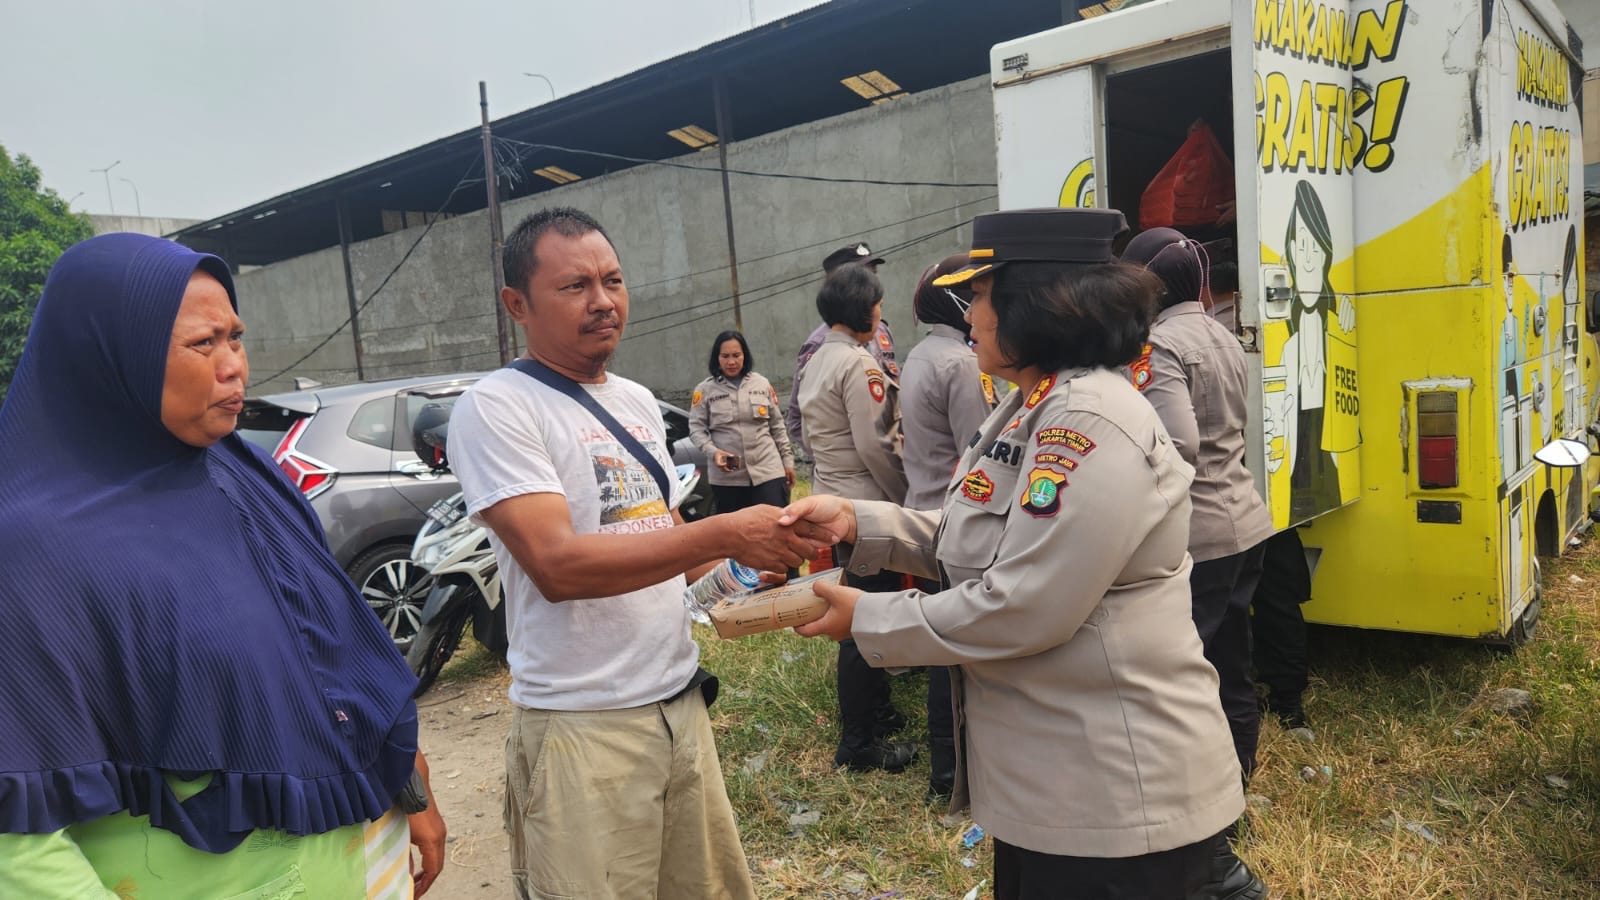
889	722
1287	708
1230	878
890	756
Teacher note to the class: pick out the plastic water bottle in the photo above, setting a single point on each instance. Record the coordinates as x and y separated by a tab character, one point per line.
727	579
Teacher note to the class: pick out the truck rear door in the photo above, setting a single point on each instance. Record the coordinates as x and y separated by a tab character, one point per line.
1296	245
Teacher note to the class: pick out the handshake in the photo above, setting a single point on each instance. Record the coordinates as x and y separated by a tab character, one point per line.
774	540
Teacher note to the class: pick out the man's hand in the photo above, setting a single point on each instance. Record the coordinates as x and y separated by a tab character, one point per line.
788	478
722	459
834	515
841	614
756	539
427	835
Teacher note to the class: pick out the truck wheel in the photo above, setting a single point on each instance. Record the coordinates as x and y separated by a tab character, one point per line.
436	642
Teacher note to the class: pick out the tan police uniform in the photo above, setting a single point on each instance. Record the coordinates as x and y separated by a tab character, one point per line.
1194	375
851	415
740	417
943	401
1090	717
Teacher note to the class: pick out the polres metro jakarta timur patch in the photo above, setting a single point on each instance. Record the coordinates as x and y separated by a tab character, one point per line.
1077	441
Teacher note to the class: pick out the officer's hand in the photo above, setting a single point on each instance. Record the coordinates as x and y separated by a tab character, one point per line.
841	614
722	460
788	478
754	537
836	515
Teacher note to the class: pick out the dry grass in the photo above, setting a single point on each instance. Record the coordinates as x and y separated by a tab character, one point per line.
1400	723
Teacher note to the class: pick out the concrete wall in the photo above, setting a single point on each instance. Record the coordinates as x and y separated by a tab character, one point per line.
437	313
152	225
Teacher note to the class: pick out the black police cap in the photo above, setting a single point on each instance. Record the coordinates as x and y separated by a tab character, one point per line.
859	254
1057	235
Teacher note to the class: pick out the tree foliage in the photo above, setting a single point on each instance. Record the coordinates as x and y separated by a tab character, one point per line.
35	227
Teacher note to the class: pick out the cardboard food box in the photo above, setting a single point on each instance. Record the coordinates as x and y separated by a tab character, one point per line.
770	608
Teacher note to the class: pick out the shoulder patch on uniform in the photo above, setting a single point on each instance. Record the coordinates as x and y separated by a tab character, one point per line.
1040	391
1014	423
1055	459
988	388
884	342
1043	497
977	486
894	370
696	399
875	384
1066	437
1005	453
774	392
1139	371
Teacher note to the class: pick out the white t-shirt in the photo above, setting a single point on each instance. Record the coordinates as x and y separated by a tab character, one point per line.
512	435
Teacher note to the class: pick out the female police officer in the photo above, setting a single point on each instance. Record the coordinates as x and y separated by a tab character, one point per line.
735	421
851	415
1095	750
1193	373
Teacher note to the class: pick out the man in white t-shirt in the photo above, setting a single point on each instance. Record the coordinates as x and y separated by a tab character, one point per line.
612	783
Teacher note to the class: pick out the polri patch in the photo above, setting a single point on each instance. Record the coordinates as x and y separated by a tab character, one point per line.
1048	458
1040	391
695	399
988	388
1043	497
1012	427
884	342
977	487
1066	437
1140	372
1005	452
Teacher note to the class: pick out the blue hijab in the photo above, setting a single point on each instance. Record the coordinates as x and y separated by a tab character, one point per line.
166	608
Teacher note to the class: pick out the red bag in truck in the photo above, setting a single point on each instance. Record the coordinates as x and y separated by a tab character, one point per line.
1193	185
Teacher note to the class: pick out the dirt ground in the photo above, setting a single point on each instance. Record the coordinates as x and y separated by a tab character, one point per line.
463	734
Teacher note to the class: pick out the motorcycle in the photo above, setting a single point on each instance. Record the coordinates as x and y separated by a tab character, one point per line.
456	551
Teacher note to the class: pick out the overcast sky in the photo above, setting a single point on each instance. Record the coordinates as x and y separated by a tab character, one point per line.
211	106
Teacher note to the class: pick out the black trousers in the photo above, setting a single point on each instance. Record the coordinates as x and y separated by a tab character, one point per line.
1279	629
863	690
1220	591
1169	875
941	717
731	497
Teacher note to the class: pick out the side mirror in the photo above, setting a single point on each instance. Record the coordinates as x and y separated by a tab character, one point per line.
1563	454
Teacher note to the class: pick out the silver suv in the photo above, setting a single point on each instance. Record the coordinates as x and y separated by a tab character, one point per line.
348	449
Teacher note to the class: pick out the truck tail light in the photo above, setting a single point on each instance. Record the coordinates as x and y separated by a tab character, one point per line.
1438	464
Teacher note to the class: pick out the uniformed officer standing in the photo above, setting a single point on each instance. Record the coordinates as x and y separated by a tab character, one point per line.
943	401
852	418
1094	746
1193	373
881	345
734	420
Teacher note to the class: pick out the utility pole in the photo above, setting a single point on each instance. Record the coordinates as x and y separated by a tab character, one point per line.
497	236
720	95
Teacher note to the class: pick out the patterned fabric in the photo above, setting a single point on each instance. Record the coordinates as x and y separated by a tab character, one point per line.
387	848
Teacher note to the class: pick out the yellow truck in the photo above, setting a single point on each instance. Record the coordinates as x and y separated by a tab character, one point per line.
1408	186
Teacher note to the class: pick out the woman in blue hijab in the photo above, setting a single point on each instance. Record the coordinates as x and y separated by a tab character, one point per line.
197	703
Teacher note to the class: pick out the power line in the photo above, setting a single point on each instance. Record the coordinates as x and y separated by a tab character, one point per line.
812	246
370	297
786	175
808	279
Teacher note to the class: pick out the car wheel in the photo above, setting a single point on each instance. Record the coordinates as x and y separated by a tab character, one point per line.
395	588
